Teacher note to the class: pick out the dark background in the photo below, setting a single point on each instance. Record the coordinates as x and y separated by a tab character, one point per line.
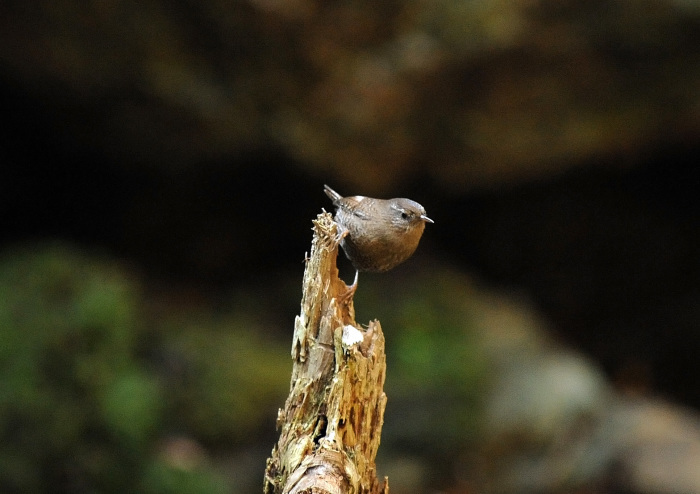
187	144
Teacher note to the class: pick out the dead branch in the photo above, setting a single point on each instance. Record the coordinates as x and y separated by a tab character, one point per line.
331	424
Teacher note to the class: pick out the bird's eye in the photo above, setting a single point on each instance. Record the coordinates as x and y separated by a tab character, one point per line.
404	215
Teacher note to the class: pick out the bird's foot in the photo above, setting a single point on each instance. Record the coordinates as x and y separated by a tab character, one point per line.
341	235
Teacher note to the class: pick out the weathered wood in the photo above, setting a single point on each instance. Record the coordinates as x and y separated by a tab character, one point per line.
331	424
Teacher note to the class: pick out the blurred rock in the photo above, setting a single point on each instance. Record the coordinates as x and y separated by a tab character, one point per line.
545	396
483	399
553	423
659	447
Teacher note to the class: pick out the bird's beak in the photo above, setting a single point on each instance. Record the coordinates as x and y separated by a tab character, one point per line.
425	218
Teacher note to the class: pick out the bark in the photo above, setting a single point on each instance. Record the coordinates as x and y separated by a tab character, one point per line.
330	427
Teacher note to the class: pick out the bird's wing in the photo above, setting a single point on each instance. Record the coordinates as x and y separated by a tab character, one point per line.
351	205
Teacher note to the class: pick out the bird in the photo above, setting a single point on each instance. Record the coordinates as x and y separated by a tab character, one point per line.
377	234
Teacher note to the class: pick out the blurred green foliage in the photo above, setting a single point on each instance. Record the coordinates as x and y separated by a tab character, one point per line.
91	395
229	376
437	369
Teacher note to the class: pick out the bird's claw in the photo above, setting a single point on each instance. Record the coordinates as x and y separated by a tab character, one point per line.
341	235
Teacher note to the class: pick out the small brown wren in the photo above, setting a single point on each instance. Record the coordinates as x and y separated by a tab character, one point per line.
377	234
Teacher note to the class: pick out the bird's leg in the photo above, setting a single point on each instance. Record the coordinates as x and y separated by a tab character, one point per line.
353	287
348	295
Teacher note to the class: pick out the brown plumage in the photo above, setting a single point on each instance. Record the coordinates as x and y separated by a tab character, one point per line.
377	234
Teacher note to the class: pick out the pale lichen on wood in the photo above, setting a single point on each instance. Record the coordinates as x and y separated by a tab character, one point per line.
330	427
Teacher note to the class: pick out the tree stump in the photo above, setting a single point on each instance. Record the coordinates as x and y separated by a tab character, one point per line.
331	424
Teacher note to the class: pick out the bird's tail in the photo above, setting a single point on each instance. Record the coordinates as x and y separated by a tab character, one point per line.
333	195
